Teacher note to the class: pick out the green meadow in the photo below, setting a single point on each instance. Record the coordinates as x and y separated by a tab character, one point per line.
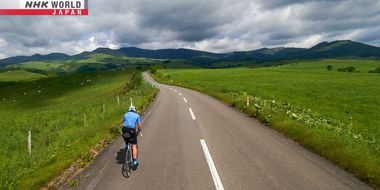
54	110
44	66
19	75
332	113
320	65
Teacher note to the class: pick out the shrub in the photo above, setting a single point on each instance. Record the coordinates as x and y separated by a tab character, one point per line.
351	69
377	70
342	69
153	70
329	67
111	65
136	80
372	71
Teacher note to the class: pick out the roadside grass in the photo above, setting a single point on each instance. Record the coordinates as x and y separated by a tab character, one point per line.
19	75
55	118
332	113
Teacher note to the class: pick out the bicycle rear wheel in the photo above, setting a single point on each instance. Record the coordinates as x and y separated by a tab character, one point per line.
128	161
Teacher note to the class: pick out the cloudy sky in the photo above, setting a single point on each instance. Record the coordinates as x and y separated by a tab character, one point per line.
210	25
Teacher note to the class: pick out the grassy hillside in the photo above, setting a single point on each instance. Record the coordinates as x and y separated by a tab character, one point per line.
19	75
321	65
53	110
332	113
36	57
40	65
95	62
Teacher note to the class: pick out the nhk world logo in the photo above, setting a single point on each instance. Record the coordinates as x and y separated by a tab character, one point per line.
49	7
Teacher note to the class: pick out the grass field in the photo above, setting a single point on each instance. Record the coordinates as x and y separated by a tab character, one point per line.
19	75
320	65
55	118
40	65
330	112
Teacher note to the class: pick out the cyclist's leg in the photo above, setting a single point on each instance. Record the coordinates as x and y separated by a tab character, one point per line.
134	143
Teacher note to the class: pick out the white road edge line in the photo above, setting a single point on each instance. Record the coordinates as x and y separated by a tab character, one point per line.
210	162
179	93
184	99
192	114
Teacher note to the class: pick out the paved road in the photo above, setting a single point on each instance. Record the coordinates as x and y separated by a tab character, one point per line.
193	141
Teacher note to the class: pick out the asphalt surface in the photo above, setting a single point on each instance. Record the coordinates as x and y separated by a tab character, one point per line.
193	141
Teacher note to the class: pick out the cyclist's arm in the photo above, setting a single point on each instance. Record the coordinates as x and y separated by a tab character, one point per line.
139	127
138	124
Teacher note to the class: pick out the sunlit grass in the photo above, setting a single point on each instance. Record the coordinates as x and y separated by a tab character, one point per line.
19	75
56	119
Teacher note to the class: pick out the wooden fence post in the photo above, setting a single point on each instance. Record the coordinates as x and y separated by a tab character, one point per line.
57	130
30	142
84	115
118	101
104	108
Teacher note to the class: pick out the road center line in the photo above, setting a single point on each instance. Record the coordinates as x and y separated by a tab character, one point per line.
175	90
192	114
210	162
180	93
184	99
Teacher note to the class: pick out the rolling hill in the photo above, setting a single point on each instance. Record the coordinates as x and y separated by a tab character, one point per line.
168	53
338	49
36	57
131	57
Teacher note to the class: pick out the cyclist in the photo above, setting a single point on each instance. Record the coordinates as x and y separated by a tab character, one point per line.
129	126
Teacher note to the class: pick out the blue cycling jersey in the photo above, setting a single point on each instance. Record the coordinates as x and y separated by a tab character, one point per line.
130	120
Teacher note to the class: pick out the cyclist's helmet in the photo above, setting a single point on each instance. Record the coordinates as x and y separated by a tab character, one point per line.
132	108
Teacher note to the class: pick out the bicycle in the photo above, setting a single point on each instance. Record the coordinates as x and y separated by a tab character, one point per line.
127	167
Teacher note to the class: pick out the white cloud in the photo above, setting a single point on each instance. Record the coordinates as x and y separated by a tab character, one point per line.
307	42
3	56
3	43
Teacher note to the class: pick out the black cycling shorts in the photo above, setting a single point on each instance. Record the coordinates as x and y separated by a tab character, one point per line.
132	132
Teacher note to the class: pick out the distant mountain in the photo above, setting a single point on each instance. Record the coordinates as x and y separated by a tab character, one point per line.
168	53
36	57
338	49
194	54
335	49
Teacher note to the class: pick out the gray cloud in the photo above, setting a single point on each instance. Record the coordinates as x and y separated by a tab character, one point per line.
211	25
